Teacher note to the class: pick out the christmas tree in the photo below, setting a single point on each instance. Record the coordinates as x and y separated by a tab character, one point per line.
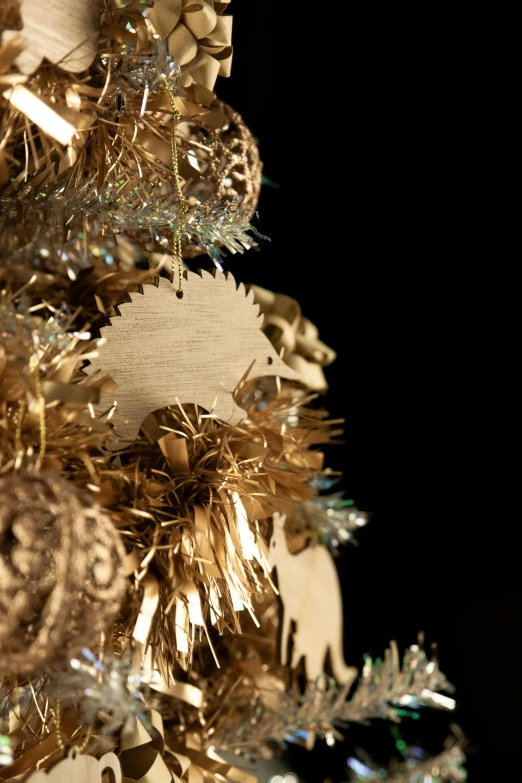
169	603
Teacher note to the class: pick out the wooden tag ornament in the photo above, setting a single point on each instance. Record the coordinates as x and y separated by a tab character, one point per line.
311	596
193	350
79	769
66	34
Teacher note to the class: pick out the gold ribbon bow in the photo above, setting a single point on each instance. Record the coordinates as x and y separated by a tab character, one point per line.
198	36
295	336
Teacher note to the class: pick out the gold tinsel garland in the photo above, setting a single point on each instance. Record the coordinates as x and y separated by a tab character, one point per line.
226	478
87	196
180	473
206	492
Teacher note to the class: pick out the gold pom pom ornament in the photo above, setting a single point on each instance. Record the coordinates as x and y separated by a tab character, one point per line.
61	570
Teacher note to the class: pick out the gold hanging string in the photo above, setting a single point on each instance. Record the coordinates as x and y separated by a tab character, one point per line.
60	737
35	372
19	421
41	406
177	239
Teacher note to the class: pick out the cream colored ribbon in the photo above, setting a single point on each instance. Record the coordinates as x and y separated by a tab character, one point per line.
295	336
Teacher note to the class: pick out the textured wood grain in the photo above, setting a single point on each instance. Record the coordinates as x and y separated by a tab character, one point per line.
80	769
311	596
65	33
195	350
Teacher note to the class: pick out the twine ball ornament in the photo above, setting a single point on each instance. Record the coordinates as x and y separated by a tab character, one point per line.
222	165
61	570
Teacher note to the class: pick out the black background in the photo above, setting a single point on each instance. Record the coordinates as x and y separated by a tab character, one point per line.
369	132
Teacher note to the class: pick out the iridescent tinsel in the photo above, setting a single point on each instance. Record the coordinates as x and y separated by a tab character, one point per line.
6	753
333	518
446	767
111	686
386	690
42	336
210	228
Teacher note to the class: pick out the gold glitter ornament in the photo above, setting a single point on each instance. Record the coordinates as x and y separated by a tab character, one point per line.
222	164
61	570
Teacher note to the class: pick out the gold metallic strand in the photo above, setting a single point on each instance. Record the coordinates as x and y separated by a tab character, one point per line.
60	737
86	740
21	413
41	406
19	422
177	241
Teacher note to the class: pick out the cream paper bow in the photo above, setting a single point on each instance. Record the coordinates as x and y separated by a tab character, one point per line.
198	36
294	337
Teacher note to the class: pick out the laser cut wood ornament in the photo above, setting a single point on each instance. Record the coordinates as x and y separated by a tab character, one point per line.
63	33
311	596
195	350
80	769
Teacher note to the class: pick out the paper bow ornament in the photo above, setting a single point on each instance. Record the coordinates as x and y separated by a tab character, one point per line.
146	758
198	36
141	751
294	337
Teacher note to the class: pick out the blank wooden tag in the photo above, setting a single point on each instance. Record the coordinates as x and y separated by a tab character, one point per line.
65	33
80	769
195	350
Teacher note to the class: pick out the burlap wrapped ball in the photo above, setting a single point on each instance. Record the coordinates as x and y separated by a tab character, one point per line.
61	570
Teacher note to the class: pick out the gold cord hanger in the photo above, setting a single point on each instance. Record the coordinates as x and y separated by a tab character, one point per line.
177	240
35	372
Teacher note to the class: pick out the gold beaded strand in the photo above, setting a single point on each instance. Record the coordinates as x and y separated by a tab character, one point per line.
19	421
35	372
41	407
60	737
177	239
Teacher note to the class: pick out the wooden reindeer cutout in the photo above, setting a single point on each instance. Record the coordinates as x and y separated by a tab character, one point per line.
311	596
194	349
79	769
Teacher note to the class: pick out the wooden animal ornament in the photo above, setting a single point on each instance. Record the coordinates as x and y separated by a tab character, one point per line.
195	350
311	596
79	769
